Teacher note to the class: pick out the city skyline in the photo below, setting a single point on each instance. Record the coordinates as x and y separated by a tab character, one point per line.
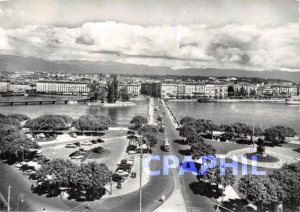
202	34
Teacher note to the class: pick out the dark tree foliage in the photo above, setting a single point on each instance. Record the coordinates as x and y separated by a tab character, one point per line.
49	122
91	123
87	178
19	117
13	142
278	134
98	91
202	149
138	121
112	90
149	132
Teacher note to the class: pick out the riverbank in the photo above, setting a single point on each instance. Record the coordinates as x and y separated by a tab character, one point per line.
231	100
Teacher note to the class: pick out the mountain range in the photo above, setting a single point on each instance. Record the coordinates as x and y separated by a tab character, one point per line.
17	63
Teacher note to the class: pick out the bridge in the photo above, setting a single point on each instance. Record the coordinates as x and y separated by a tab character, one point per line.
39	102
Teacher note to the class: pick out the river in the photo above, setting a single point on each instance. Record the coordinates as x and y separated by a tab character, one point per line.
120	116
263	115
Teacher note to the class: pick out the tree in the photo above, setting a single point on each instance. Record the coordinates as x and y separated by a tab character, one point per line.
138	121
112	90
123	94
186	130
215	176
10	120
228	129
289	179
91	123
149	132
260	190
278	134
186	119
202	149
19	117
13	142
97	91
48	122
88	177
240	128
193	138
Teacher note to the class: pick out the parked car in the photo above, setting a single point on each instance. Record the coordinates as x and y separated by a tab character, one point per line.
70	146
99	140
77	157
86	143
77	144
93	141
73	135
84	148
122	173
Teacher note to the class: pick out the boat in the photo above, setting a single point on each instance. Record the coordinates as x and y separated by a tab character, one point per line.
294	100
206	99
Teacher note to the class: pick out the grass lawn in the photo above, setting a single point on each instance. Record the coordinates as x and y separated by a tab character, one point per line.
267	159
223	147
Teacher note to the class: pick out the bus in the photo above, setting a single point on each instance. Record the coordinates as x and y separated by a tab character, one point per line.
166	145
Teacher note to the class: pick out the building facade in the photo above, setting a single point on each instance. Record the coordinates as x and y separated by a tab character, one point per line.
62	87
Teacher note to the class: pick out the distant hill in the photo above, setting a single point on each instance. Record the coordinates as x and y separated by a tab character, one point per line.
16	63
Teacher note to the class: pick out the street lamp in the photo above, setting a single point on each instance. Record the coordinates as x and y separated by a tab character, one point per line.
8	198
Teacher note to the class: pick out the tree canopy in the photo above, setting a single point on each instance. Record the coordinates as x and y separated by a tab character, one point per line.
89	177
202	149
92	123
138	121
12	141
48	122
149	132
98	91
278	133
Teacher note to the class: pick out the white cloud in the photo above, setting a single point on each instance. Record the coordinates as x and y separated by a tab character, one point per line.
192	46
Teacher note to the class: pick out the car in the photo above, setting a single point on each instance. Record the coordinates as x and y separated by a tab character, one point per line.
99	140
77	157
122	173
93	141
86	143
29	172
70	146
73	135
131	152
77	144
84	148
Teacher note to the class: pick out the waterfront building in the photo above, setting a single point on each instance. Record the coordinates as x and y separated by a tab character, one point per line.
210	90
4	85
284	90
133	88
181	90
62	87
19	87
168	90
221	91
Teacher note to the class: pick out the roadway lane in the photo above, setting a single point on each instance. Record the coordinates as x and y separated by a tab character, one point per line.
194	201
152	191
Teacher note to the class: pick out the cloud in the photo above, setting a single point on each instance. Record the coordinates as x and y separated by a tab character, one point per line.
85	40
191	46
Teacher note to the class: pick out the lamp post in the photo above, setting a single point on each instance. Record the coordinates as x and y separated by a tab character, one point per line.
141	174
8	199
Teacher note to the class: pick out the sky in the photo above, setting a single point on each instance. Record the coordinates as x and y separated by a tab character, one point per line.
237	34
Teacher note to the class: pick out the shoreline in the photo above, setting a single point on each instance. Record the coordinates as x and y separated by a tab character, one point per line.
231	100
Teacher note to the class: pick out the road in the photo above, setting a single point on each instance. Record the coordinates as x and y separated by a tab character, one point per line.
194	201
152	191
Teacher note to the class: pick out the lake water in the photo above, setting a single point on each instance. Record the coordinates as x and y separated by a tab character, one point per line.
118	115
261	114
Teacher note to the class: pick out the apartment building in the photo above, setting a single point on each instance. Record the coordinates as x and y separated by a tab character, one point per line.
133	88
4	86
62	87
